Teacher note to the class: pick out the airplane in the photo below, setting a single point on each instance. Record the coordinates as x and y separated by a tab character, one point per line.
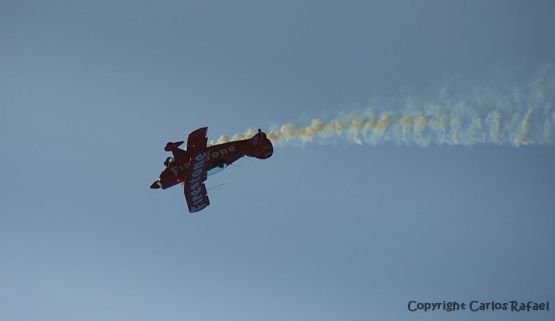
190	167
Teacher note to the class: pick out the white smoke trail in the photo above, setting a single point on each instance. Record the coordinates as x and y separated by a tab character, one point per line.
514	116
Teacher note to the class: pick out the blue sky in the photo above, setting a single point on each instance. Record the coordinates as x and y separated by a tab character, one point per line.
90	92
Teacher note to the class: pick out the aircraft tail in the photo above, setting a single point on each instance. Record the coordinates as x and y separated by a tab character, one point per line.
171	146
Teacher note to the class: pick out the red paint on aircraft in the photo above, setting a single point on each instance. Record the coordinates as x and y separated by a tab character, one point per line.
190	166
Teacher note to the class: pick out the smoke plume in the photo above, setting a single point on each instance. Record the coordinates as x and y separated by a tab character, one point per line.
513	115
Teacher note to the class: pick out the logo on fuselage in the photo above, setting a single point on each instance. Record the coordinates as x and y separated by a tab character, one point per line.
179	170
215	154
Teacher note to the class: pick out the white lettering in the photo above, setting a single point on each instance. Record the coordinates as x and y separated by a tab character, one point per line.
195	185
198	199
196	173
198	208
198	165
221	152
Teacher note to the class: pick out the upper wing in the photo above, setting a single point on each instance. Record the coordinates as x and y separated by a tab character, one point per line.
195	190
197	139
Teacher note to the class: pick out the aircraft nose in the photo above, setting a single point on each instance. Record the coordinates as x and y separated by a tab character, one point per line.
156	185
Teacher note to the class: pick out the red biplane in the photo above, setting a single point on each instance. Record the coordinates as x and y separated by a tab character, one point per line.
191	167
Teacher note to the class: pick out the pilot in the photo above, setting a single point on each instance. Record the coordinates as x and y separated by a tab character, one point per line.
169	162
